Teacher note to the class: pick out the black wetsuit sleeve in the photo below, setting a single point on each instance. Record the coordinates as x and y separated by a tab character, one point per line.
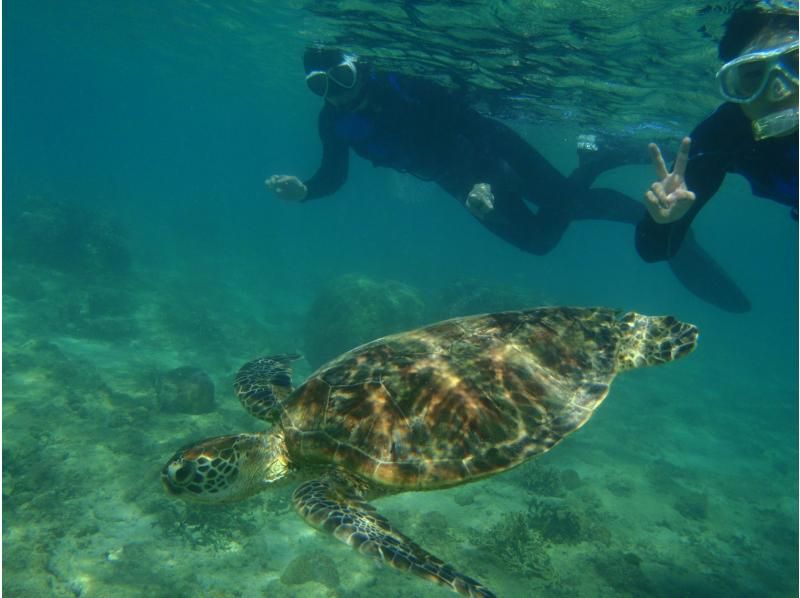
332	171
704	175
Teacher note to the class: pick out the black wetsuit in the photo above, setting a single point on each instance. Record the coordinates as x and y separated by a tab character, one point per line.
721	144
416	126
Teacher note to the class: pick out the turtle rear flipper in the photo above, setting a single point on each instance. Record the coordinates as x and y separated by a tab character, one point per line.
262	385
333	504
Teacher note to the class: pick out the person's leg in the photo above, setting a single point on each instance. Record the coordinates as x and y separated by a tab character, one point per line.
531	175
516	169
490	187
692	265
607	204
519	166
514	222
705	278
509	218
598	153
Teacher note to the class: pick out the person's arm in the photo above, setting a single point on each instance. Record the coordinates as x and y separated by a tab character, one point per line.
676	199
332	171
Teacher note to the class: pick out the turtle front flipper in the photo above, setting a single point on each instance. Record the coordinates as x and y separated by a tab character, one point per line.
262	384
334	504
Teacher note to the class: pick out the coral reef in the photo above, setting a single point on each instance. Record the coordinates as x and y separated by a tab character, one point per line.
516	545
557	522
352	310
562	522
542	480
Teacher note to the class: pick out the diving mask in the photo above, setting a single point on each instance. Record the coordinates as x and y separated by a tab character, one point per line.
343	74
745	78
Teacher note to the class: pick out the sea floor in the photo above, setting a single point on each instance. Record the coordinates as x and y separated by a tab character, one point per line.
672	489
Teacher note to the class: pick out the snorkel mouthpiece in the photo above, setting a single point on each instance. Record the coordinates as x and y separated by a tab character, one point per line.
775	124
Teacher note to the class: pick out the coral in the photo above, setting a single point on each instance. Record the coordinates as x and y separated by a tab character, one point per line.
557	522
563	523
517	546
206	528
311	566
546	481
352	310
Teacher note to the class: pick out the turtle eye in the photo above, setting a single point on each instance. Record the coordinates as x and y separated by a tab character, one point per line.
182	473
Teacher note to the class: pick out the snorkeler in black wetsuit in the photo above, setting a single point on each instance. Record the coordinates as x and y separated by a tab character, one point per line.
416	126
753	134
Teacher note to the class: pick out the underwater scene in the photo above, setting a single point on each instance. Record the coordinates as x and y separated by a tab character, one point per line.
145	263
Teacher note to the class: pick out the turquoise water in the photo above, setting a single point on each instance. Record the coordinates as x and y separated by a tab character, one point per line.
138	238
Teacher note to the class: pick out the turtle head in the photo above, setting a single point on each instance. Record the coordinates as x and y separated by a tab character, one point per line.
226	468
652	340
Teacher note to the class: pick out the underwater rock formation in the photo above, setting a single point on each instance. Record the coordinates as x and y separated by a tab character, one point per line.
468	297
185	389
66	236
352	310
45	300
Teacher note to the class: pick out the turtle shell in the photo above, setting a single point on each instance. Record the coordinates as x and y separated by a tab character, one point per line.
458	400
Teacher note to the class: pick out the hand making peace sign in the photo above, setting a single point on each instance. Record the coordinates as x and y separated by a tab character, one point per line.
668	198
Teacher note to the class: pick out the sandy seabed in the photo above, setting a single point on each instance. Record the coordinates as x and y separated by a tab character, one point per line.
656	496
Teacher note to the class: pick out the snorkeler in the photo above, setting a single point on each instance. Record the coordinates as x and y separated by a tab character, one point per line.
413	125
416	126
754	133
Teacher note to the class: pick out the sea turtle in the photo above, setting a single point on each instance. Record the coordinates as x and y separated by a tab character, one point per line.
435	407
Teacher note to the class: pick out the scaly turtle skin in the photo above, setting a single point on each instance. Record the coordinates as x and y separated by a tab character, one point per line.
431	408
